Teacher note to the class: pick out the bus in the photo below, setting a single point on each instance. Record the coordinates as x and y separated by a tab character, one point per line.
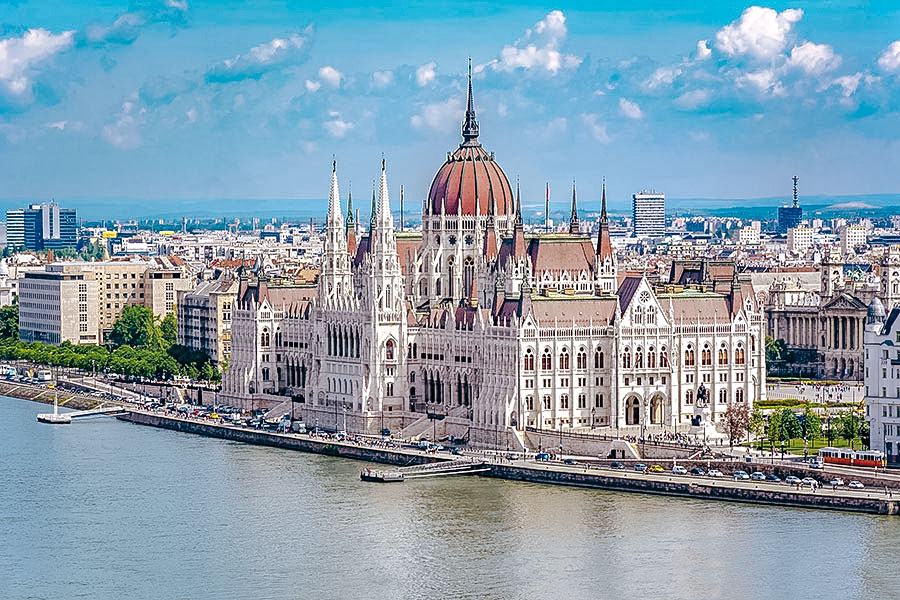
856	458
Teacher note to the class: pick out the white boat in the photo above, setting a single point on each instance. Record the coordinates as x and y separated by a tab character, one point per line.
55	418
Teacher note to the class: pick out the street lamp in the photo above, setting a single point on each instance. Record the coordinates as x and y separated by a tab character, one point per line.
593	411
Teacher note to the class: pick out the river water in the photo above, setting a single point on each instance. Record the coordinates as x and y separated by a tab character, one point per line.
105	509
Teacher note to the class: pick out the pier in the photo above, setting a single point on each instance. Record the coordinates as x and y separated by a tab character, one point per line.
580	475
439	469
58	418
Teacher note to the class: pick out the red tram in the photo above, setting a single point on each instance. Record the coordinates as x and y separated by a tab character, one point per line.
856	458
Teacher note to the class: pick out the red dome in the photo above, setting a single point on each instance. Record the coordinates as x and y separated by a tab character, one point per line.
472	178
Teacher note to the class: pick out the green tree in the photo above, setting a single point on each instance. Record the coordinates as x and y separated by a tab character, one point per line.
757	424
850	426
169	330
811	425
9	321
137	327
790	425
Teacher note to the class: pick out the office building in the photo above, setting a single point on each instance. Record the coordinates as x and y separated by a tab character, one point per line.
649	214
42	227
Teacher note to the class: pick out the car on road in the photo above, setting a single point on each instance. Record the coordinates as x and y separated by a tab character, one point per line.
456	451
640	468
757	476
569	461
855	485
773	478
809	481
617	465
792	480
542	456
656	469
836	481
697	471
740	475
714	473
679	470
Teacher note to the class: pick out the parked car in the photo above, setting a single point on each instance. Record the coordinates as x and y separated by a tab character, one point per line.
697	471
679	470
569	461
640	468
542	456
617	465
792	480
855	485
714	473
757	476
836	481
809	481
656	469
773	478
740	474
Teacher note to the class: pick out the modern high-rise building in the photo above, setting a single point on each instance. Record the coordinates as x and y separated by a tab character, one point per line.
649	214
42	227
790	216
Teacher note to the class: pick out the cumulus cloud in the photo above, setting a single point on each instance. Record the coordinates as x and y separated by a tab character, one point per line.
337	127
261	59
814	59
693	99
663	76
181	5
312	86
630	109
703	50
596	128
761	33
425	74
331	76
890	58
539	48
439	116
764	81
21	56
848	84
127	27
382	79
124	133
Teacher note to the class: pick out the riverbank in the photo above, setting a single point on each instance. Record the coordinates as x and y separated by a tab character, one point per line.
547	473
45	395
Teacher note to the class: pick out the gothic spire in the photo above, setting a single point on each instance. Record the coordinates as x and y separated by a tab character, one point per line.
470	124
350	222
603	218
518	204
374	210
574	227
334	199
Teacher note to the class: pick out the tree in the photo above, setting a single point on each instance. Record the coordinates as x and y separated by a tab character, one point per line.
9	321
811	424
757	424
737	422
849	426
790	425
169	330
137	328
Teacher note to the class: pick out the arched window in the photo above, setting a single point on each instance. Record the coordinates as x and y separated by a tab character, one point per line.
564	401
689	359
626	358
598	400
739	354
663	357
581	361
546	360
546	401
723	355
689	397
529	402
468	274
582	401
651	358
739	395
264	338
638	358
638	314
389	350
706	356
529	360
564	359
723	396
598	359
651	315
450	276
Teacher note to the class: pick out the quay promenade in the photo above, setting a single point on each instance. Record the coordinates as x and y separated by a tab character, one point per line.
581	474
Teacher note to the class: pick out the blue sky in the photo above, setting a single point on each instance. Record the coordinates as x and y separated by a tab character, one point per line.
169	99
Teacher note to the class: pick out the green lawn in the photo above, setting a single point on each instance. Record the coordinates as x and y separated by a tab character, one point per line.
795	446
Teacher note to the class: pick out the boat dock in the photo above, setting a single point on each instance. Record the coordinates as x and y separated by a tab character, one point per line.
58	418
440	469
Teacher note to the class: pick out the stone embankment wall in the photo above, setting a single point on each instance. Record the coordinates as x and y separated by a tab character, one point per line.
45	396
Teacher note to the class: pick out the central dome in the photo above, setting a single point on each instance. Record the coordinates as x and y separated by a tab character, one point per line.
470	182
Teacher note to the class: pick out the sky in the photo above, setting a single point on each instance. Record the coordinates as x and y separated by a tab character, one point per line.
161	100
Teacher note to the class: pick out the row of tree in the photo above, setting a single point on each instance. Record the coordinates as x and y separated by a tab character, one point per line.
140	345
785	425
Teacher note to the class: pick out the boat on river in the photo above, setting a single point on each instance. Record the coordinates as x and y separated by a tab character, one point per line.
390	476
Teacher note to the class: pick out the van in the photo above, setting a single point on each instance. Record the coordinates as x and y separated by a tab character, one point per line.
816	462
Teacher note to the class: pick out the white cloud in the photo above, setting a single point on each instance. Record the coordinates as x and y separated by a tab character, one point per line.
693	99
425	74
124	30
539	48
338	128
630	109
312	86
814	59
662	76
890	58
261	59
58	125
765	81
382	79
181	5
331	76
596	129
191	115
125	132
761	33
19	57
703	50
440	116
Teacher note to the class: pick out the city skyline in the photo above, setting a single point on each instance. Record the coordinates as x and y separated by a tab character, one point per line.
175	99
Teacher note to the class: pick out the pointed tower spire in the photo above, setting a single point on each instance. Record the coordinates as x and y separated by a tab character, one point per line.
603	218
574	226
518	204
470	124
374	207
334	199
350	222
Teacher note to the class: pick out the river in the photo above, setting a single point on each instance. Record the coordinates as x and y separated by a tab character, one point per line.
110	510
